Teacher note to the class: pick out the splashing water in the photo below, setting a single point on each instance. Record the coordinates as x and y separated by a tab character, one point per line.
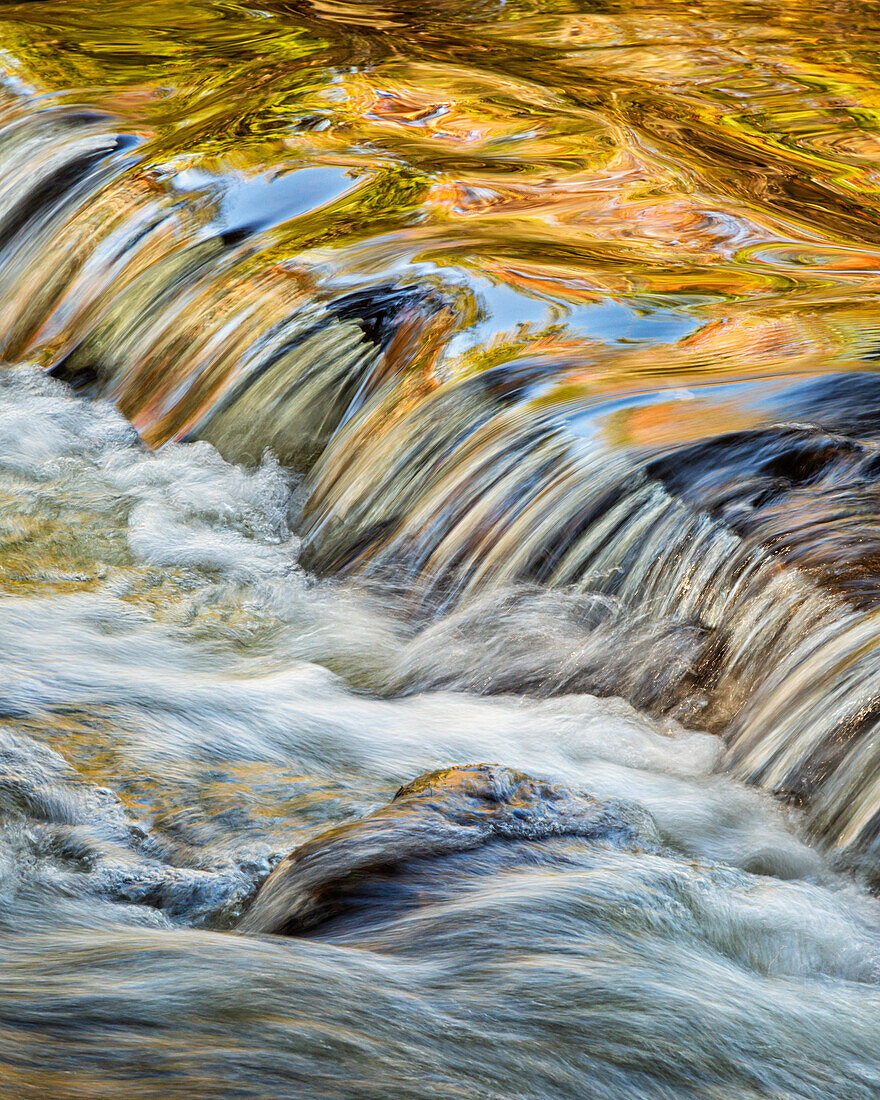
485	394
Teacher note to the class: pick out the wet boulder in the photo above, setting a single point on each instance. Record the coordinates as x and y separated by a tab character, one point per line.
437	817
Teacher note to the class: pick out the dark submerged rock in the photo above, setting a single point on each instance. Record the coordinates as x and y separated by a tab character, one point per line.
438	815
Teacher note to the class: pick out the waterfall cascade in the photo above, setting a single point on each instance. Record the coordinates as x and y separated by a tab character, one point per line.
761	545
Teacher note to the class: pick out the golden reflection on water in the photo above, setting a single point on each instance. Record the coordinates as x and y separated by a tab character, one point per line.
709	169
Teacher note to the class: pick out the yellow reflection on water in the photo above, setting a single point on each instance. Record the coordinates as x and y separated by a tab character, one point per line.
711	162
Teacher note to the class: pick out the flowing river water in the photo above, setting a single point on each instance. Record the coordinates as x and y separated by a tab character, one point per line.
440	573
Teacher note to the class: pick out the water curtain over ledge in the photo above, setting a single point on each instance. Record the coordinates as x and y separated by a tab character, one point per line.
755	550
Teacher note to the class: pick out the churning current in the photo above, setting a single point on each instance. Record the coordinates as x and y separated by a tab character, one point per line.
440	550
